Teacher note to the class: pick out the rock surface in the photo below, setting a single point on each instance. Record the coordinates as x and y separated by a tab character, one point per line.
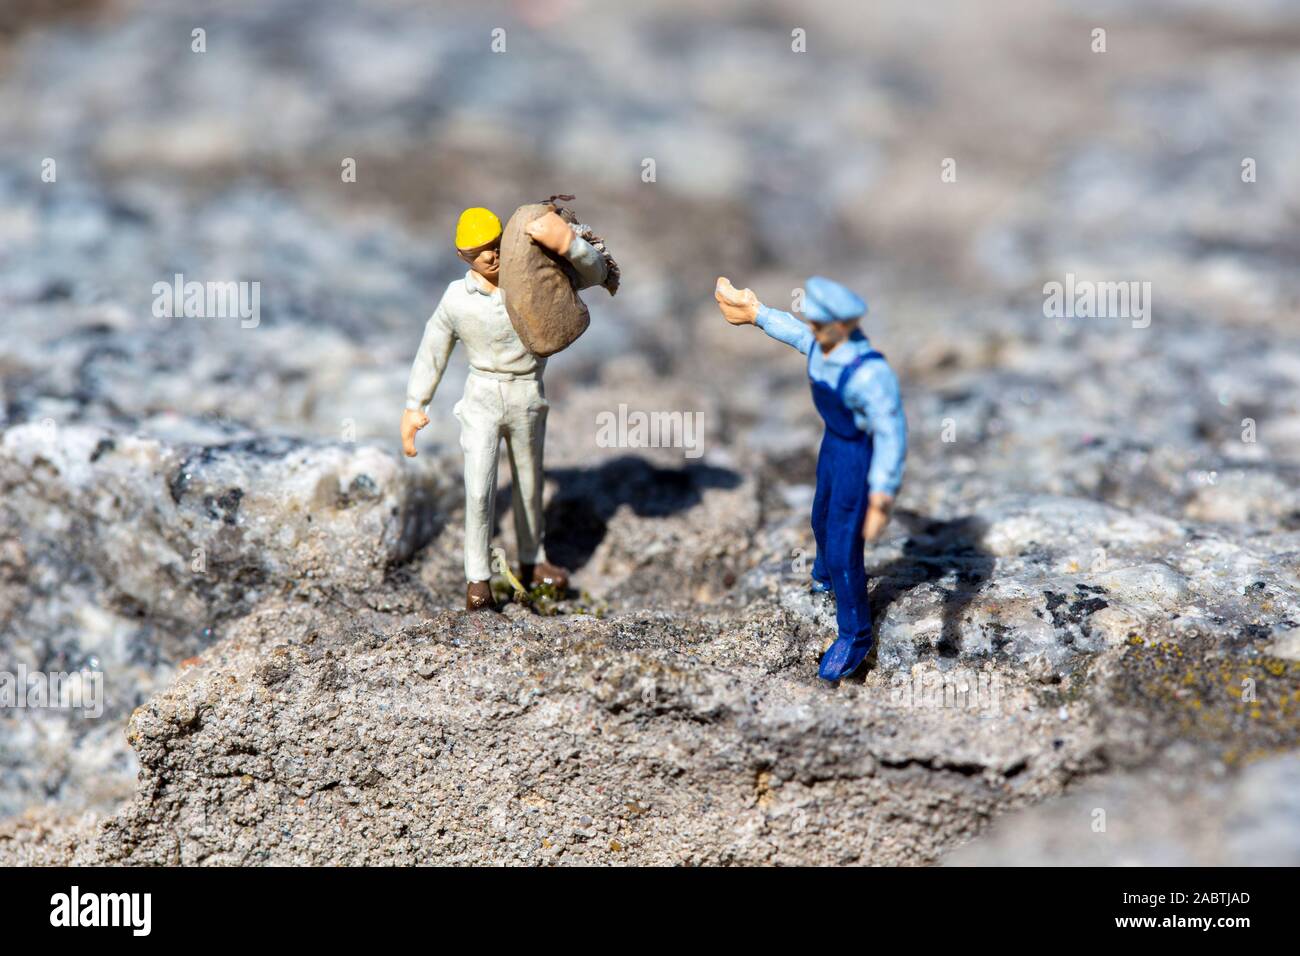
1089	595
1251	819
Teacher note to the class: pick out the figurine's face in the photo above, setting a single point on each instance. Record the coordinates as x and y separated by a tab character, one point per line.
831	334
486	260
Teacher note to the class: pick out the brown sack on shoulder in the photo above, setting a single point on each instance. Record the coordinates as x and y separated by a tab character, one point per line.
540	290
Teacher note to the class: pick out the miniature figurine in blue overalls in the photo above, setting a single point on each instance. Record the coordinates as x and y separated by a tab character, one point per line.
860	466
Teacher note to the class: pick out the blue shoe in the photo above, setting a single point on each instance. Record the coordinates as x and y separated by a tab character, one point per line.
843	658
821	587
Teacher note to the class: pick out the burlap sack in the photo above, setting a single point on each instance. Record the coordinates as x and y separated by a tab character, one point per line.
540	290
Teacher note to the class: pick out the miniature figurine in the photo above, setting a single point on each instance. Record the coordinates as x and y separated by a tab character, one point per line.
860	465
503	396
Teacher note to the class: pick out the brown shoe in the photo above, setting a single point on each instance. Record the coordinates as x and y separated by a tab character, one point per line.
545	573
478	596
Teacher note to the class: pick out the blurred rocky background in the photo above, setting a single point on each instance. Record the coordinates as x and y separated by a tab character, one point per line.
1088	601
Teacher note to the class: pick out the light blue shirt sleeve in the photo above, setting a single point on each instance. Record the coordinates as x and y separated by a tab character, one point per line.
784	327
877	406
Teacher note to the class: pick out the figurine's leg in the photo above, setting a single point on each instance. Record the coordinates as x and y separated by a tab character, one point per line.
844	559
848	572
480	437
525	442
821	505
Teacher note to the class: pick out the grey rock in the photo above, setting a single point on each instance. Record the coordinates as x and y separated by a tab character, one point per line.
126	554
524	742
1094	565
1250	819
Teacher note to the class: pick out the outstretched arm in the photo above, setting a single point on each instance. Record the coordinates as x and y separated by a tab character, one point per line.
784	327
741	307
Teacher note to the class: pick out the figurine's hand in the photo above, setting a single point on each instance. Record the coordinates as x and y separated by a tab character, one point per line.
551	233
879	505
412	422
739	306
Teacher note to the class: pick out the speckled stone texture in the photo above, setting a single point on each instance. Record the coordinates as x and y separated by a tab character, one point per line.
1089	596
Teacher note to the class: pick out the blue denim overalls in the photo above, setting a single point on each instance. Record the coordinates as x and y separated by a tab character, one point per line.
839	508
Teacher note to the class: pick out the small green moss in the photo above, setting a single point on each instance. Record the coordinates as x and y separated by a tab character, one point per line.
1243	706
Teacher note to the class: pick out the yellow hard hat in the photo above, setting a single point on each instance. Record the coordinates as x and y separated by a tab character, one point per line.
476	227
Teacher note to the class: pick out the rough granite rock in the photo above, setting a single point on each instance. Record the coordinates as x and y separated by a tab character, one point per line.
1093	575
123	554
527	740
1252	819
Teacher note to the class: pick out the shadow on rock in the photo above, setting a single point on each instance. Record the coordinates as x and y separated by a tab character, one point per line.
932	551
585	500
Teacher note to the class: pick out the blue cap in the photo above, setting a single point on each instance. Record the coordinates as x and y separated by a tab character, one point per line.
825	300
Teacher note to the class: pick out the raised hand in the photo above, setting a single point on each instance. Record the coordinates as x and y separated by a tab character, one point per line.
739	306
551	233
